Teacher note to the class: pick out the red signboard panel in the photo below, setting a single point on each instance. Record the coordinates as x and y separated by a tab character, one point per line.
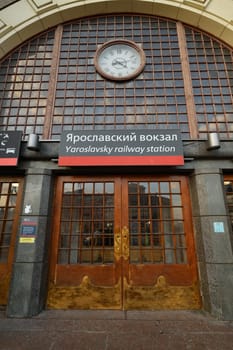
121	147
8	161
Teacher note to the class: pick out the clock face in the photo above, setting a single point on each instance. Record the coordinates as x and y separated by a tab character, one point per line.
119	60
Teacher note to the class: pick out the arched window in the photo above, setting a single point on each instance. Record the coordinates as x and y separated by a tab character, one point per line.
50	83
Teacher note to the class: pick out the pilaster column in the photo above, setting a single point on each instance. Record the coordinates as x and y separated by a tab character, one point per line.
214	242
29	278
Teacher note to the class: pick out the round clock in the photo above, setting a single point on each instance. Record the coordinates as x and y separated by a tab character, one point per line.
119	60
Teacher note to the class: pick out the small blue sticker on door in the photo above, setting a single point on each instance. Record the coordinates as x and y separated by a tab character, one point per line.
219	227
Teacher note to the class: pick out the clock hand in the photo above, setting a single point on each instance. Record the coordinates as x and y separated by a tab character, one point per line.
121	62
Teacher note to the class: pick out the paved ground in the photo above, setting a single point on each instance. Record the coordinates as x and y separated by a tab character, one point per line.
116	330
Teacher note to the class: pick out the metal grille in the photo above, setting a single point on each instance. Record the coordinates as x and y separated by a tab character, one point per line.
156	223
87	223
211	66
84	100
8	196
24	79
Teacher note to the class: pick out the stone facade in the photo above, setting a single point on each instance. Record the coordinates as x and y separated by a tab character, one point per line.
214	251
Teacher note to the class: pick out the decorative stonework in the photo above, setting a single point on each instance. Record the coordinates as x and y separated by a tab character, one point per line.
4	28
200	4
41	6
84	296
5	3
157	297
42	3
2	25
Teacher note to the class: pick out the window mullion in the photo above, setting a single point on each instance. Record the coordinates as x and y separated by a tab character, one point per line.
52	83
190	103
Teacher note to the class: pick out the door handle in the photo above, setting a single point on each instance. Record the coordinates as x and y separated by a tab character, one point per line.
117	245
125	243
121	244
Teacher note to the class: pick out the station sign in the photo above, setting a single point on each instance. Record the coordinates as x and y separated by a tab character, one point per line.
121	147
9	147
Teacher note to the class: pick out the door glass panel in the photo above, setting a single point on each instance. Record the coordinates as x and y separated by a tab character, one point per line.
87	223
177	213
8	196
175	187
228	186
88	188
156	223
68	187
164	187
99	188
176	200
154	187
121	270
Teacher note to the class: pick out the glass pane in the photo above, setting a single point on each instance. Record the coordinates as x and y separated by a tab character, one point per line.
68	187
144	187
177	213
67	201
166	214
154	187
169	256
228	186
181	256
8	225
99	188
12	200
87	226
144	199
63	256
180	241
88	188
179	227
133	187
109	188
3	201
7	216
78	187
176	200
66	214
14	188
3	254
108	200
6	239
164	187
156	225
175	187
5	188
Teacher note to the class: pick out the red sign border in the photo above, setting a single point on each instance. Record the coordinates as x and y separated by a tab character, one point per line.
8	161
120	160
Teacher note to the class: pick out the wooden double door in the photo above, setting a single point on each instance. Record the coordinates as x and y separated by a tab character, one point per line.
10	203
122	243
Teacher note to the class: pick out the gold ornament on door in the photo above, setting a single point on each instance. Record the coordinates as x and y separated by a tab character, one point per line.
125	243
121	244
